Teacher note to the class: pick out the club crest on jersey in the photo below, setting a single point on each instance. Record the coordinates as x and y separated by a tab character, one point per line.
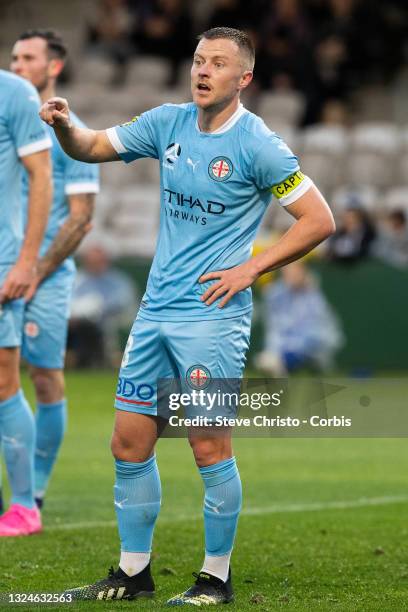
198	377
172	153
31	329
220	168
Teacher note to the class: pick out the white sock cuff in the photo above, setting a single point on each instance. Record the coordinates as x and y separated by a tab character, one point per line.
217	566
133	563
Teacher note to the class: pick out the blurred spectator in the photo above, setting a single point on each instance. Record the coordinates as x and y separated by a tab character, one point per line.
167	31
104	301
283	53
334	112
333	66
354	236
109	35
337	54
301	328
230	13
391	244
324	49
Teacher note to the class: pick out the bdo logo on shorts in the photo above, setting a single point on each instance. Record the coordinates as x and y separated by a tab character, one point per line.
198	377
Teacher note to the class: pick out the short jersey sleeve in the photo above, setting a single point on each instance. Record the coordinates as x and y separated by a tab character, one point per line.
27	130
136	138
80	177
276	168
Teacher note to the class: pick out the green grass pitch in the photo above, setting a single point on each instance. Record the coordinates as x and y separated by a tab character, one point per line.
324	525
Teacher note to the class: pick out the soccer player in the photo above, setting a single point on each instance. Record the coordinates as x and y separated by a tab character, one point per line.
39	56
220	166
24	143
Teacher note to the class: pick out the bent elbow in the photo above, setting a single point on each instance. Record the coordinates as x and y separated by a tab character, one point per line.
329	227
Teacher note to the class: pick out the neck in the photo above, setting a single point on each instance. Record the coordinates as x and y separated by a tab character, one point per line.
213	118
48	92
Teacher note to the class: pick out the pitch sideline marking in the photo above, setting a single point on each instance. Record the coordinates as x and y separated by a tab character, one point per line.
276	509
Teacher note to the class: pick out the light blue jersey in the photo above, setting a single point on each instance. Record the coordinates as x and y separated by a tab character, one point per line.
215	188
45	329
21	133
69	177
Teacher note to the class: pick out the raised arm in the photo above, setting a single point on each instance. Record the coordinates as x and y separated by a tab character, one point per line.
86	145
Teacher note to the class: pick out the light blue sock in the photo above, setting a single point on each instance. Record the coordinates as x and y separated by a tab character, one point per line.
51	422
17	437
222	505
137	493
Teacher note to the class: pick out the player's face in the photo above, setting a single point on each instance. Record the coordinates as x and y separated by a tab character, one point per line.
30	60
217	74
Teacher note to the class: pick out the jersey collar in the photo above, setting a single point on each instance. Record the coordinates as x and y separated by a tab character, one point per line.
228	124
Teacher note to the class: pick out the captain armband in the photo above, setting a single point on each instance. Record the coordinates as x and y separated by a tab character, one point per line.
292	188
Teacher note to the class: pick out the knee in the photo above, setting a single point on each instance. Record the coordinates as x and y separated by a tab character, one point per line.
208	451
9	373
124	448
8	388
119	445
49	387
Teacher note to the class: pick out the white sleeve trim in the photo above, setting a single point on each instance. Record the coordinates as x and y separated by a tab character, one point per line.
297	193
34	147
77	188
115	140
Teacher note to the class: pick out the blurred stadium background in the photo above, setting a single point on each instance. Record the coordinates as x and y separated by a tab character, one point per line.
331	78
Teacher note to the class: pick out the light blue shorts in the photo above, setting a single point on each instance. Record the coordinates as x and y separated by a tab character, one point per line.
45	322
194	353
11	317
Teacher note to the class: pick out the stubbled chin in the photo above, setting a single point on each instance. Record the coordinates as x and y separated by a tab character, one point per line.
202	101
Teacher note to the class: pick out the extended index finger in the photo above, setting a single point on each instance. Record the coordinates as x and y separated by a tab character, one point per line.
46	112
58	102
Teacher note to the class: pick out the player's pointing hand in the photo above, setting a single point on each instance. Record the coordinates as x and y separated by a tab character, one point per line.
230	282
55	112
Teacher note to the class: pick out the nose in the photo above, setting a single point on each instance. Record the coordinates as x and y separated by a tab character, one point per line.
15	66
204	70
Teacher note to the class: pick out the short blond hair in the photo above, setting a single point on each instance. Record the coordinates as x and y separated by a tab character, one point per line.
239	37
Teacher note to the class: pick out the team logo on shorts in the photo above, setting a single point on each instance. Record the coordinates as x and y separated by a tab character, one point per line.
172	153
220	168
198	377
31	329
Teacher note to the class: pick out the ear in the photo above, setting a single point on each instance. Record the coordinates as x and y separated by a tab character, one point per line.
55	67
246	78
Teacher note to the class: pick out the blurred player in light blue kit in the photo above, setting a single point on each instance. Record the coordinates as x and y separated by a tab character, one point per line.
23	143
220	166
38	56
